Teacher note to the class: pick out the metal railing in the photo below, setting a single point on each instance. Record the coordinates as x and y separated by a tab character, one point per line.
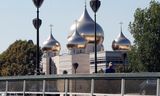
112	84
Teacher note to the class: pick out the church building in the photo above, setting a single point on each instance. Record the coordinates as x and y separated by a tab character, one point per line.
81	47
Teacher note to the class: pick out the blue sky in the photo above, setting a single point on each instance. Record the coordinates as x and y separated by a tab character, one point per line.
16	19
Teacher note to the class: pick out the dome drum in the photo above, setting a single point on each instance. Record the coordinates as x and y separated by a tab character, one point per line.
91	39
76	46
51	48
120	47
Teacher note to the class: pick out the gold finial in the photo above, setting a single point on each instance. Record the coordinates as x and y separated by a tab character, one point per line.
121	23
51	26
85	4
76	21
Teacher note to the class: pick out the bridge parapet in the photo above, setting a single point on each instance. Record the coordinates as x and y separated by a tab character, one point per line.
110	84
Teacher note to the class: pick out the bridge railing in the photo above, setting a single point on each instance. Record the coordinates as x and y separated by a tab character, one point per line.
112	84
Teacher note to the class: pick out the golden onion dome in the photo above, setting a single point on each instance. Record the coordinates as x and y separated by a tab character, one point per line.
85	28
76	41
51	44
121	43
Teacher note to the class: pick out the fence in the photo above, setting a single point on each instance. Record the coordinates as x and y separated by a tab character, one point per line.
112	84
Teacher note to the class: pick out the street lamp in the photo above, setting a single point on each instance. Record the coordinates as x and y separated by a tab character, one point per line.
37	23
95	4
124	62
64	72
75	66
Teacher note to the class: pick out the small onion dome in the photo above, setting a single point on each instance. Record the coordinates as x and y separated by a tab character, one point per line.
121	43
76	41
85	28
51	44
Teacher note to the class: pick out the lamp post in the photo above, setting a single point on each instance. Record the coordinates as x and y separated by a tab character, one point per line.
37	23
124	62
64	72
95	4
75	66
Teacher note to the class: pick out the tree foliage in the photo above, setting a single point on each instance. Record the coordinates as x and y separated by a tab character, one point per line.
18	59
145	29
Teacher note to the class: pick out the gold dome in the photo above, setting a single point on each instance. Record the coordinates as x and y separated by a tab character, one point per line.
51	44
76	41
121	43
85	28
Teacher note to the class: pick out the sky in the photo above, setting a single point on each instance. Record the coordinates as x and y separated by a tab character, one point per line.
16	19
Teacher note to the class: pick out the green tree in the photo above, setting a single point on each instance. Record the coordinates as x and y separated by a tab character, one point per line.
144	55
18	59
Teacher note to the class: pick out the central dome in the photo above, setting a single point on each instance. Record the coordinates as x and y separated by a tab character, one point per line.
85	27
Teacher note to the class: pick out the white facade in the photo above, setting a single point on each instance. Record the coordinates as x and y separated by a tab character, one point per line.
85	62
66	63
48	64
